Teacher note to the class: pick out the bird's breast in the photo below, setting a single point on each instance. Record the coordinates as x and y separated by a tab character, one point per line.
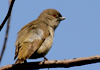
45	47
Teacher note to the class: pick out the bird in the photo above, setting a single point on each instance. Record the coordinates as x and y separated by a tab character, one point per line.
35	39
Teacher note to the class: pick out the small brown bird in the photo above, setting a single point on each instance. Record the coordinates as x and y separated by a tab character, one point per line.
35	38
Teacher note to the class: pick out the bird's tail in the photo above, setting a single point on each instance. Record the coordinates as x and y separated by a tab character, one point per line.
19	61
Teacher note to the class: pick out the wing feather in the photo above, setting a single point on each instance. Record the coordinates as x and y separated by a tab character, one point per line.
30	38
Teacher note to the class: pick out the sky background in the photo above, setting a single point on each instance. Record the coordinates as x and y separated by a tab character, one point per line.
76	36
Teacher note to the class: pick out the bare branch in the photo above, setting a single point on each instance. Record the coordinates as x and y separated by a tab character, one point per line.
8	15
6	35
54	63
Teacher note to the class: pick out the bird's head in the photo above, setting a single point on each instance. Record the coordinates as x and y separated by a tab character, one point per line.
51	17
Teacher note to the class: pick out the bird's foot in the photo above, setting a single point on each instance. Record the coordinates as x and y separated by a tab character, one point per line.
45	59
25	61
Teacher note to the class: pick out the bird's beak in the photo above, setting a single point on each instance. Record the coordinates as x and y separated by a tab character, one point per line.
61	18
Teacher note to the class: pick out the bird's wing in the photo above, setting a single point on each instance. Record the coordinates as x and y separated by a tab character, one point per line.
30	39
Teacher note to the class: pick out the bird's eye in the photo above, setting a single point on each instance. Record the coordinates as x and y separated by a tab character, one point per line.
54	15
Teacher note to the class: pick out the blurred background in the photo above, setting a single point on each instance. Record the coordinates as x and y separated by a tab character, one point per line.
77	36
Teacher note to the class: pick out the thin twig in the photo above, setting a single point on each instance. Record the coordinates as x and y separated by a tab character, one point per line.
6	35
54	63
8	15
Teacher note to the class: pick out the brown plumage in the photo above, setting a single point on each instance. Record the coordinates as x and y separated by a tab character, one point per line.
35	38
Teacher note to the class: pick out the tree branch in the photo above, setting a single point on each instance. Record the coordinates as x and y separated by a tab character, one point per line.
54	63
8	15
6	35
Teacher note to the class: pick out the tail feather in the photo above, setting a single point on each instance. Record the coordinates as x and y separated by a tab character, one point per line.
15	56
19	61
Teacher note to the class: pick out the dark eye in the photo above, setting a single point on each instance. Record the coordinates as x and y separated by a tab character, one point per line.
54	15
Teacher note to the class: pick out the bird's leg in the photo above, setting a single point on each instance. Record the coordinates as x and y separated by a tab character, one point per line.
25	61
45	59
